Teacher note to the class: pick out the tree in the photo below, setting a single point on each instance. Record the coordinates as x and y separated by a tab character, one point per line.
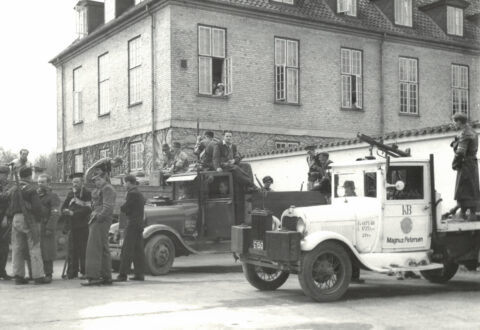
6	156
48	163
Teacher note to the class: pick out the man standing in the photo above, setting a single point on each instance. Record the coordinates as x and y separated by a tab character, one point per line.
132	249
98	261
21	162
51	213
465	146
77	208
226	158
4	223
27	211
204	149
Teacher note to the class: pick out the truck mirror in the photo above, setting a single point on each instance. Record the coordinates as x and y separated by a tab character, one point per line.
399	185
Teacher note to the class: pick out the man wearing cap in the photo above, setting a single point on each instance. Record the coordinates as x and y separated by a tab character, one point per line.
25	232
132	249
204	149
77	208
313	166
465	146
349	187
51	213
98	260
267	183
4	223
180	159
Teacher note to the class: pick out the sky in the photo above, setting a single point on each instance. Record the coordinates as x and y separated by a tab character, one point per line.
33	32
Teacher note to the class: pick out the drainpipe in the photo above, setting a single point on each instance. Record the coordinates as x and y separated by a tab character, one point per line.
382	96
64	174
152	45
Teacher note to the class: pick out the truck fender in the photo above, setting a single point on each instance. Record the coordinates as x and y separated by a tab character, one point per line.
313	240
151	230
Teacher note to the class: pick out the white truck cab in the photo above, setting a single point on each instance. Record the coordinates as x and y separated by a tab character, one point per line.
385	216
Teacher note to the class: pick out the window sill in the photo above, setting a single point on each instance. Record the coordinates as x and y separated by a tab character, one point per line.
355	109
222	97
347	15
103	115
133	105
75	123
408	114
403	26
287	103
283	3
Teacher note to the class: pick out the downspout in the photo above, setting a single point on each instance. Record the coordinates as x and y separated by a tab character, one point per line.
152	45
382	96
64	174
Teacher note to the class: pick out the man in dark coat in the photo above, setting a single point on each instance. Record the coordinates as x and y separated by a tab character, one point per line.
313	166
48	227
77	208
226	158
98	260
25	229
4	223
132	249
465	146
204	149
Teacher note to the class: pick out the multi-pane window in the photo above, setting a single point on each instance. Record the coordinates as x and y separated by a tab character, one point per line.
408	76
459	88
109	10
136	156
403	12
103	85
104	153
214	68
81	22
455	21
77	95
289	2
347	7
78	163
286	144
351	73
134	71
286	70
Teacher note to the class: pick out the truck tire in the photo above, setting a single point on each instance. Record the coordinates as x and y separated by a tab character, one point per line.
159	255
263	278
443	275
326	272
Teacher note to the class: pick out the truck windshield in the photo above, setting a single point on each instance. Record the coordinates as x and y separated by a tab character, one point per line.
185	190
356	184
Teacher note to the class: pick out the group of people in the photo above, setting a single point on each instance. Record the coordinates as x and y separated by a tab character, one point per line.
29	215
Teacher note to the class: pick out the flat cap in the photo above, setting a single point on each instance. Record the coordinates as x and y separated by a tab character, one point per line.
460	116
268	178
349	184
4	170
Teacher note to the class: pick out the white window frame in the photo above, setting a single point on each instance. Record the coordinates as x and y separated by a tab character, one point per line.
460	88
212	44
134	71
403	12
110	10
103	85
351	71
347	7
408	85
136	156
455	21
288	2
104	153
81	22
78	163
287	71
77	95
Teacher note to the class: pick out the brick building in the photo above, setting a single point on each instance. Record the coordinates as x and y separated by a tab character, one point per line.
293	72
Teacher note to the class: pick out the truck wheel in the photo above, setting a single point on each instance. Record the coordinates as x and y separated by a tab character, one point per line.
442	275
326	272
263	278
159	255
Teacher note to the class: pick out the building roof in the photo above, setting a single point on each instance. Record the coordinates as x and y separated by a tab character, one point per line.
370	18
388	136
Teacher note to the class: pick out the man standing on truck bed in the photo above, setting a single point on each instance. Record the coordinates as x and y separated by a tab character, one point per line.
465	146
132	249
204	149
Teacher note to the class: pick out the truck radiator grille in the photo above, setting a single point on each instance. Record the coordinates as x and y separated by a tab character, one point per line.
289	223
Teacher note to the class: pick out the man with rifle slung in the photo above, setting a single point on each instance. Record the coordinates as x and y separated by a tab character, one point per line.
5	225
26	209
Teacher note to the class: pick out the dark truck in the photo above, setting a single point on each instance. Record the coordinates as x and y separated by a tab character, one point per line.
199	215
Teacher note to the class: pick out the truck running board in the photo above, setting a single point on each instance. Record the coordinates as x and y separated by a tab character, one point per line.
392	270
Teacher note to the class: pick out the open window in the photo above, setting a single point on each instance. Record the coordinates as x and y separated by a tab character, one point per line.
219	187
214	68
185	186
411	176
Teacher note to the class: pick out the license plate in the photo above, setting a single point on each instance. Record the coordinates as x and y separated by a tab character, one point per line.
258	244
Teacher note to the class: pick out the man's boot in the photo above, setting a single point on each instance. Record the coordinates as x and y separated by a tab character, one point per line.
20	280
43	280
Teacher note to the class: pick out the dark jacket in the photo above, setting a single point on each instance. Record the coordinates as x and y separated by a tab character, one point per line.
133	207
51	213
32	201
80	203
4	201
103	203
222	155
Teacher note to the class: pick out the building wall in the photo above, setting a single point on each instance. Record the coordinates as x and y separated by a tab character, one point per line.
289	171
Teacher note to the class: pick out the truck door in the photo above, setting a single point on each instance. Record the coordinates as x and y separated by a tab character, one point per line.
219	206
407	220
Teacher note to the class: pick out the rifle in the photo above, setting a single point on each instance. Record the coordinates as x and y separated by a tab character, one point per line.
392	150
28	221
301	186
259	182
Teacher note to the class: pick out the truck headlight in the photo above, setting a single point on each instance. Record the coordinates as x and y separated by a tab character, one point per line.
301	227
